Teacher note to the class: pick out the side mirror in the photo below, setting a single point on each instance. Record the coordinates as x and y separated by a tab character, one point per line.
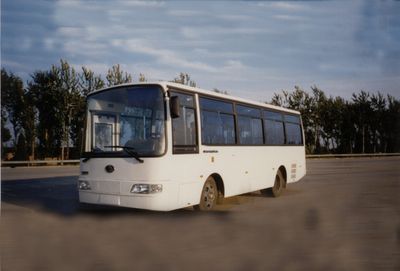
174	107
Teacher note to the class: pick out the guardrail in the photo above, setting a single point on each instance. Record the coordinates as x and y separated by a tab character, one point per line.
39	162
351	155
72	162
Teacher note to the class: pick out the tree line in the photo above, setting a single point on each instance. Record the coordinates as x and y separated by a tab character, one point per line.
368	123
44	118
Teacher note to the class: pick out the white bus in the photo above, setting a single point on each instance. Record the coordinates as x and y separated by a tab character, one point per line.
163	146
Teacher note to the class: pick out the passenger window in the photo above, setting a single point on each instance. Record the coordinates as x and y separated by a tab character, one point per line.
250	125
293	130
248	111
293	134
217	128
273	128
273	115
274	133
214	105
292	119
217	122
250	131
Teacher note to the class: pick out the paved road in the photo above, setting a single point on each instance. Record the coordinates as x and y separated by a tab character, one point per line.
344	215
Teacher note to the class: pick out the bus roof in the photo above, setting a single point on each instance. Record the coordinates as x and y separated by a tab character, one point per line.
166	85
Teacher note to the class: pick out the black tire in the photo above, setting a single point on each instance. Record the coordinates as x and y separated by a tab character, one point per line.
278	187
209	196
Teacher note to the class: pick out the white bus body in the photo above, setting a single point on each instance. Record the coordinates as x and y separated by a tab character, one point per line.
169	174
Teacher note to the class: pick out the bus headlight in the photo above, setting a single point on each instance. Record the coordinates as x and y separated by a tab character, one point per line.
146	188
84	185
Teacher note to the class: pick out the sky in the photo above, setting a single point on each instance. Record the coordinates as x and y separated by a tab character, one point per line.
251	49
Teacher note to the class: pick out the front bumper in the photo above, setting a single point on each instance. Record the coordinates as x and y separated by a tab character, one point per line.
117	193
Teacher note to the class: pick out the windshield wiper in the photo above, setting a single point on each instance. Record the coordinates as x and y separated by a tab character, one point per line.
129	150
85	159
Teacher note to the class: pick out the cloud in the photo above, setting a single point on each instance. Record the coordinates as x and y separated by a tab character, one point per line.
185	13
96	67
235	17
25	43
285	17
86	49
49	43
217	55
378	37
288	6
234	65
164	56
248	48
219	32
143	3
71	32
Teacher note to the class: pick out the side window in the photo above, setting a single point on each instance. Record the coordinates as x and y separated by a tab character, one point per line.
249	125
274	133
273	128
184	128
217	122
293	130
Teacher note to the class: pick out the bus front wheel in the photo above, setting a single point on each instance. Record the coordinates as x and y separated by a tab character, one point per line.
209	195
277	189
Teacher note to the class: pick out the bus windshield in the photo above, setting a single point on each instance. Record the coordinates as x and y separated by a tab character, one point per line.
124	118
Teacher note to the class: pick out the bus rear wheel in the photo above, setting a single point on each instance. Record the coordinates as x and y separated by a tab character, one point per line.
209	196
278	187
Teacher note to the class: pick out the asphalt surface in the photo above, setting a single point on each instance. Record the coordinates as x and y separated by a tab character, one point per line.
344	215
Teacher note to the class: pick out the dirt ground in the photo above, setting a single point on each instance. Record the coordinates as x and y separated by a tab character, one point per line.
344	215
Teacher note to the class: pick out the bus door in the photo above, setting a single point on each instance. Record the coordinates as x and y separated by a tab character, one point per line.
184	128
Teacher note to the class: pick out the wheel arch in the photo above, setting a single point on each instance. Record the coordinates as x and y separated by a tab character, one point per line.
220	183
282	169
